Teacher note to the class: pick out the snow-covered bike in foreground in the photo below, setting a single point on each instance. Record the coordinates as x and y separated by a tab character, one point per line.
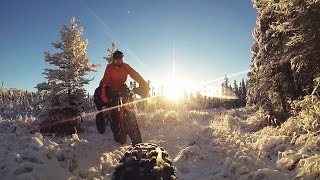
121	117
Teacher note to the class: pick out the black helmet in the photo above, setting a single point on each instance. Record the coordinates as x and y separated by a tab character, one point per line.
117	54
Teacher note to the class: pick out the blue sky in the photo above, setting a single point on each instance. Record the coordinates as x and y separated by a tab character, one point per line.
207	38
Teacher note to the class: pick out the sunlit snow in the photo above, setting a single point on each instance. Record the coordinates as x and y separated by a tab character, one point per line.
203	144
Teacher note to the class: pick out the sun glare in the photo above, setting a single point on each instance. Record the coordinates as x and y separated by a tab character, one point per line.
174	91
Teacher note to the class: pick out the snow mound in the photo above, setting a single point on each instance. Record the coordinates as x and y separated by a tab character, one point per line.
33	156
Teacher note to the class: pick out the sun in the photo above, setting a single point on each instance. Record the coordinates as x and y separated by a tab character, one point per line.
174	91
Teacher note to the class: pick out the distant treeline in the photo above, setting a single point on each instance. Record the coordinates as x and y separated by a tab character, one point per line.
15	102
203	102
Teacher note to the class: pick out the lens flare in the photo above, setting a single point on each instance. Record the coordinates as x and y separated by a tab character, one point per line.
83	115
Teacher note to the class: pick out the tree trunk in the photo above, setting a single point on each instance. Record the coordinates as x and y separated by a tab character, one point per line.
282	101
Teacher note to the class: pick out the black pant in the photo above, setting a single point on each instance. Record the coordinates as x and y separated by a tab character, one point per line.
114	123
99	116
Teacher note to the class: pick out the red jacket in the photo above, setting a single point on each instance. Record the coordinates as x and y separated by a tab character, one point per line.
115	76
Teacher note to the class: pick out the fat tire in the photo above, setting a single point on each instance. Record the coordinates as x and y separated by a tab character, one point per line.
100	123
145	161
133	129
118	130
122	134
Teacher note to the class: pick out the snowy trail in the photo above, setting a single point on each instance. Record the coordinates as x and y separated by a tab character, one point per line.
187	137
174	134
178	133
204	145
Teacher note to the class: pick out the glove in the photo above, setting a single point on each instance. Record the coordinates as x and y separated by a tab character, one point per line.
143	90
102	95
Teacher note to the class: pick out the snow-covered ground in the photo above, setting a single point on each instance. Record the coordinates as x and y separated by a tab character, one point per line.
203	144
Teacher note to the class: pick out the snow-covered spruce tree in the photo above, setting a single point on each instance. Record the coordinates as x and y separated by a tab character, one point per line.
286	54
64	87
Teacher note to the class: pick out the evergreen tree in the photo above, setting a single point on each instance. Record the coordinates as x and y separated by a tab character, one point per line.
235	88
225	86
230	90
64	86
285	55
242	92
